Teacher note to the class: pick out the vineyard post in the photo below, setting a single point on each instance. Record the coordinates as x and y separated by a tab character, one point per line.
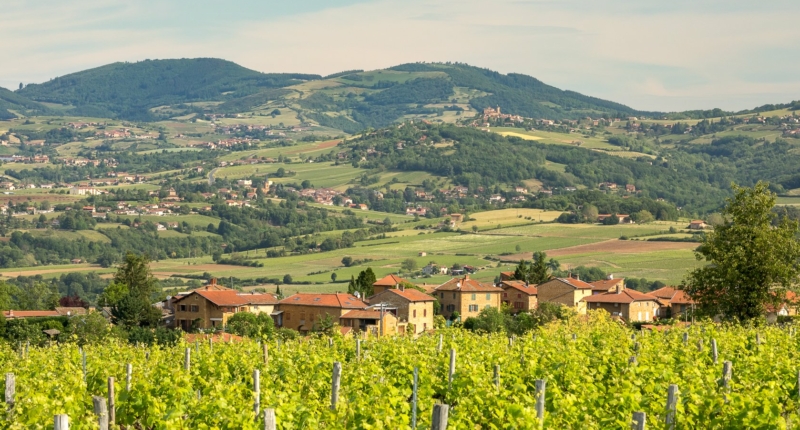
672	406
439	346
798	385
28	344
540	385
197	346
714	350
269	419
510	342
10	390
335	381
211	343
497	376
452	368
111	402
265	347
700	345
414	391
330	342
147	356
727	372
632	360
685	338
101	410
61	422
128	373
574	336
358	349
256	392
83	363
758	341
19	348
439	420
187	359
636	346
639	420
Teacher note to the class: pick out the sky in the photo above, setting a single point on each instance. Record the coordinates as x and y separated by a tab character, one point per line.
662	56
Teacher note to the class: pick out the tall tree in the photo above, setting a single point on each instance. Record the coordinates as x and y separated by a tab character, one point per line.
135	307
538	271
751	262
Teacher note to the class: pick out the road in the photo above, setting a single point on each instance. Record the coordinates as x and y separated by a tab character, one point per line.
211	176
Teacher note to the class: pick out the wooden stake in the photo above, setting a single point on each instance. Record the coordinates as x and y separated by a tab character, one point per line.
187	359
632	360
727	373
439	346
714	354
112	414
439	420
700	345
330	342
128	374
269	419
672	406
358	349
685	338
335	381
256	393
11	387
452	368
83	363
266	358
639	420
540	385
497	376
101	410
61	422
574	336
414	394
510	342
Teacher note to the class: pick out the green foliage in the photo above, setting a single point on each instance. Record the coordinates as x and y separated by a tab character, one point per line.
91	328
536	271
251	325
751	262
135	308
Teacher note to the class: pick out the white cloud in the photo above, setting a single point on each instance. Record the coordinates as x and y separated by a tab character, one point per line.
684	55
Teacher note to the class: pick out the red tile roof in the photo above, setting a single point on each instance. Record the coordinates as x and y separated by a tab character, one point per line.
673	295
625	296
362	315
29	314
329	300
218	337
65	311
521	286
411	295
221	298
467	285
389	281
259	299
574	283
606	284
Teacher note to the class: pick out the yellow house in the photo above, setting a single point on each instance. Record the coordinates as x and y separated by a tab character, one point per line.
630	305
386	283
519	295
467	297
411	306
302	311
370	321
569	292
205	308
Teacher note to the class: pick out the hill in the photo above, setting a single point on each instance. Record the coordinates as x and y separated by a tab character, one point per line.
347	101
11	102
129	90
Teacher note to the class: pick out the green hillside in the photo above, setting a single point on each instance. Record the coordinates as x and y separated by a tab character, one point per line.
11	102
128	90
348	101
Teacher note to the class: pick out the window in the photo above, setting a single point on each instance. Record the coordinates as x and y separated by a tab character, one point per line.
415	313
424	326
454	295
519	296
194	308
505	295
519	305
473	308
183	308
451	308
442	295
424	312
488	296
473	296
487	306
288	316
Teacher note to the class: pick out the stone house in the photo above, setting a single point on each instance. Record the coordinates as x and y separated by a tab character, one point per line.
467	297
519	295
674	302
569	292
302	311
630	305
387	282
412	306
371	321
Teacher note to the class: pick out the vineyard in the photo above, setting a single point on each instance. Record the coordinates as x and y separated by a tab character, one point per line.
597	375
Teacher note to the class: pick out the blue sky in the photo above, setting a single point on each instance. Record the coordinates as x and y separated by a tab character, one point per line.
675	55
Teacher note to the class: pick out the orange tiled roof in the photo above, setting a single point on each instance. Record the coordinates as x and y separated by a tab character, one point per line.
411	295
624	296
329	300
362	315
389	281
64	311
259	299
29	314
467	285
520	286
606	284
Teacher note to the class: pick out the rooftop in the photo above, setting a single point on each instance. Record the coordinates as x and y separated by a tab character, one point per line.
329	300
467	285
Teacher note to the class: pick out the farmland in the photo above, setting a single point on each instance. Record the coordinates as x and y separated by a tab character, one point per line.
578	361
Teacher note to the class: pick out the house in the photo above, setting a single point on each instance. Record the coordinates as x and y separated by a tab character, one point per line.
260	302
787	308
432	269
302	311
507	276
630	188
519	295
698	225
568	292
76	261
388	282
84	191
371	321
412	306
630	305
12	315
210	306
466	296
422	254
606	285
674	302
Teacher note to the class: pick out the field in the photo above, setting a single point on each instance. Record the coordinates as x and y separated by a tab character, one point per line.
596	374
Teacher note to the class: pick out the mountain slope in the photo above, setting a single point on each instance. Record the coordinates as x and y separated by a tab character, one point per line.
128	90
11	102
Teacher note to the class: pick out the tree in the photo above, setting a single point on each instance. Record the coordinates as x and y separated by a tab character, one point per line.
538	270
364	282
474	228
333	277
352	287
589	212
643	217
611	220
716	219
278	292
91	328
112	294
409	265
347	261
287	279
135	307
751	263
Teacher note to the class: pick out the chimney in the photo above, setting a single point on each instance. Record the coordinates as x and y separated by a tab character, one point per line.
619	287
466	277
611	277
401	287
